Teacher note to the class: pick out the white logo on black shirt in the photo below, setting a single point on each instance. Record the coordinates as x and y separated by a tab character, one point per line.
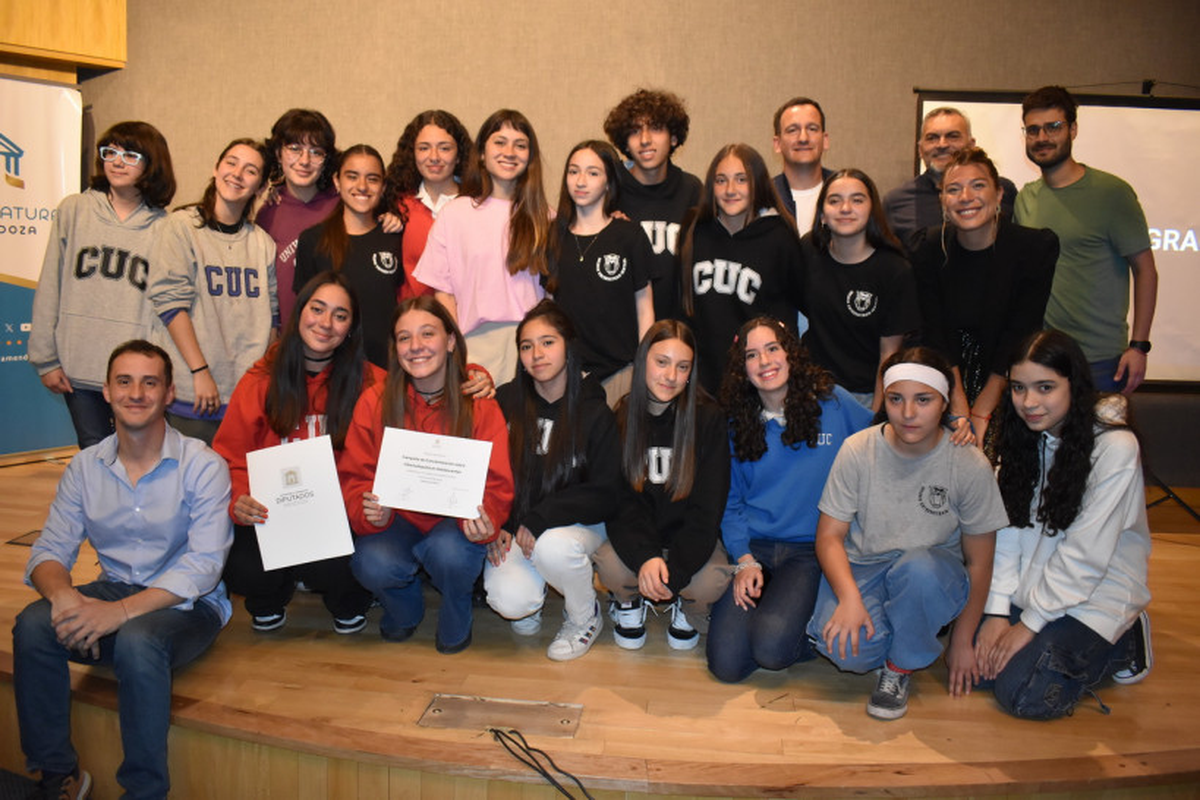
385	262
611	266
861	303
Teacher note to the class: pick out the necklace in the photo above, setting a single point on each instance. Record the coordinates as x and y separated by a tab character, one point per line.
583	252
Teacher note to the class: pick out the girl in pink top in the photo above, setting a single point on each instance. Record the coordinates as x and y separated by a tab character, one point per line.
486	252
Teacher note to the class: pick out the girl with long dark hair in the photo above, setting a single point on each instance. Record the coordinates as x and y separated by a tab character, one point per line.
563	445
787	420
422	178
859	295
1069	592
305	386
600	267
427	365
664	544
352	241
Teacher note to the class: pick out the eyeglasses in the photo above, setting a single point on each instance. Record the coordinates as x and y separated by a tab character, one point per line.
129	157
1051	129
296	150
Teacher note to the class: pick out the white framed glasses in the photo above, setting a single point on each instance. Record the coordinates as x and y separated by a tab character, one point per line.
129	157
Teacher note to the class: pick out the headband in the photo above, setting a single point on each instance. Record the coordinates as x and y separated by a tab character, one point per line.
908	371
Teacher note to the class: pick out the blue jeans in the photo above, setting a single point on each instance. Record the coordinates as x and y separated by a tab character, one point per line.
387	563
909	599
1047	677
90	414
770	635
1102	374
142	653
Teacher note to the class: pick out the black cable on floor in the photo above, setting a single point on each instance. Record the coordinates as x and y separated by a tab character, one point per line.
512	741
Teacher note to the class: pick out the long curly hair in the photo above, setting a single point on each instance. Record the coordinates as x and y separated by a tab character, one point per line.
1018	448
403	178
807	385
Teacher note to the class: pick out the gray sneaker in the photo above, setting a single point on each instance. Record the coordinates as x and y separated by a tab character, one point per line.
890	698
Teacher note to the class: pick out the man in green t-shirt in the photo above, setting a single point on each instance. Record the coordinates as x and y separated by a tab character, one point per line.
1103	238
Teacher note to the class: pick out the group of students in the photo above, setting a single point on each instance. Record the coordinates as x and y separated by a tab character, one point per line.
779	521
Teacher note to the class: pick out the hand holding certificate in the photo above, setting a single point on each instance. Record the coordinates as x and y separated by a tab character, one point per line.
432	474
297	482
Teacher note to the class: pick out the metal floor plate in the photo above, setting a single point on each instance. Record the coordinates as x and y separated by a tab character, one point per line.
530	717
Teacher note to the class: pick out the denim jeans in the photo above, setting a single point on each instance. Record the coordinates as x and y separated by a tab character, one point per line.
90	414
562	557
772	634
1047	677
1102	375
268	591
142	652
909	599
387	564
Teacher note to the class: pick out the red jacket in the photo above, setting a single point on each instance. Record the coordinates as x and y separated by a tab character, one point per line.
245	427
356	463
416	231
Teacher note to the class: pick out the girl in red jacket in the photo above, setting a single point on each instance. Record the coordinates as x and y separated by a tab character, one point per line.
428	355
305	386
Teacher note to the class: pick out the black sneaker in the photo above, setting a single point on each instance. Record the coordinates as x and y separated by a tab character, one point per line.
348	625
629	623
890	698
75	785
1143	653
268	622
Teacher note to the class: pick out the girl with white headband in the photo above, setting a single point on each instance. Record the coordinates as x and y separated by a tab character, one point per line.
905	539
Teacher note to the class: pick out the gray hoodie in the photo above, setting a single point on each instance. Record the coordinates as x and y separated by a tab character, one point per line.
226	283
91	296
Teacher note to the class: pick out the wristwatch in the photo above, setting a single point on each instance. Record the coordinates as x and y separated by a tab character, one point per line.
1135	344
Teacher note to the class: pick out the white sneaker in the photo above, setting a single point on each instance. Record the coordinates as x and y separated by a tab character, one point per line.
629	623
680	634
574	640
528	626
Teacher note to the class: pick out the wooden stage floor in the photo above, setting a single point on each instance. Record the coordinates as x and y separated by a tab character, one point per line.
303	712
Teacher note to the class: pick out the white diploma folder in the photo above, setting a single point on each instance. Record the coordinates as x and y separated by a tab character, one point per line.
306	516
432	473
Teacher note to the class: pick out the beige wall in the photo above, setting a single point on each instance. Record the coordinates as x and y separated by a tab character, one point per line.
205	72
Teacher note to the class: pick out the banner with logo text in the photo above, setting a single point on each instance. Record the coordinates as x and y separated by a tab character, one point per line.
40	132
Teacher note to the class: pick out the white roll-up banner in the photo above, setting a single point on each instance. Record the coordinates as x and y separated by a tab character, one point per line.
40	131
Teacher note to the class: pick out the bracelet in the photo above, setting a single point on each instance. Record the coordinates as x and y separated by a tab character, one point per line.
200	368
745	565
123	608
984	417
